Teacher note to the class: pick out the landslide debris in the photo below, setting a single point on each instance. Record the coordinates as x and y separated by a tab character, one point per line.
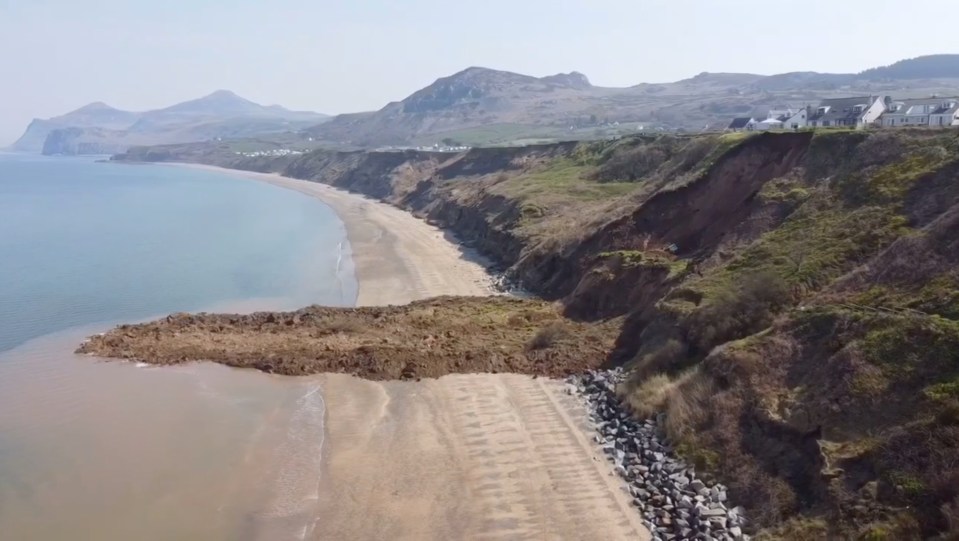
424	339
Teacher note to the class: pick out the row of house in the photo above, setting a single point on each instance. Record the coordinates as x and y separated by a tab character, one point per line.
858	112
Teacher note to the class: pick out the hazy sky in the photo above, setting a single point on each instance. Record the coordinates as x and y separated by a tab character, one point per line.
333	57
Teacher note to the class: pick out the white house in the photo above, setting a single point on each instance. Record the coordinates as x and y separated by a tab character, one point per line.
934	112
856	112
793	120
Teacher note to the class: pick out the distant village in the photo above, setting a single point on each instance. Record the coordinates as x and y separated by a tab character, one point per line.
855	112
434	148
858	112
271	153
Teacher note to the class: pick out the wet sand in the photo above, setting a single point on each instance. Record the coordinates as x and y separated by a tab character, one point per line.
480	456
108	451
398	258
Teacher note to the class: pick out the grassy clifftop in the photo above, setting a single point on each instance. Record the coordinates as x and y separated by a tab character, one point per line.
791	301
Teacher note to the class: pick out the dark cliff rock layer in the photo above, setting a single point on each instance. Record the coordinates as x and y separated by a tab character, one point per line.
790	301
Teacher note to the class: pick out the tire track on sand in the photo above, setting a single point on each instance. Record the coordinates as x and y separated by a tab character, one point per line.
478	456
531	468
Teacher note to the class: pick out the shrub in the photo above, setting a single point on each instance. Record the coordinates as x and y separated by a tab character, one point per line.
649	397
548	336
637	162
737	313
662	358
688	404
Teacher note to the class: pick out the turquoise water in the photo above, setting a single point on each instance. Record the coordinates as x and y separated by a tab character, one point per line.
113	451
83	242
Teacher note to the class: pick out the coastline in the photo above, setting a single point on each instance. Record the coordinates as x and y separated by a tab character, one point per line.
485	454
397	257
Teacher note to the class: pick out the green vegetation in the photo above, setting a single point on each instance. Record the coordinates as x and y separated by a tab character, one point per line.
888	184
788	190
913	346
559	181
939	296
490	135
650	259
942	392
793	339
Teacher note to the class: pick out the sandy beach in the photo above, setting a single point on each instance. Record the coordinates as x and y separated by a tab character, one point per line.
476	456
398	258
464	456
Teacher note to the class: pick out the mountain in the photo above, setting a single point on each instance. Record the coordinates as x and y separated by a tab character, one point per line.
473	98
98	128
96	114
480	106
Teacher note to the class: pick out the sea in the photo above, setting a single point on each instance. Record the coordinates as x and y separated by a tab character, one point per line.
108	450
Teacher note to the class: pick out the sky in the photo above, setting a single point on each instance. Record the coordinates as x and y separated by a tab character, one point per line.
347	56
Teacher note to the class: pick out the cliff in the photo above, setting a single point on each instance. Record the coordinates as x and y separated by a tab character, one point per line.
790	302
80	141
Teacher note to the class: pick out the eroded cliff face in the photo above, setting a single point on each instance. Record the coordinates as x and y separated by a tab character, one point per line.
789	300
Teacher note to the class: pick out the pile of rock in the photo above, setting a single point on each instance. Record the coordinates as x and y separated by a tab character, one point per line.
675	504
507	284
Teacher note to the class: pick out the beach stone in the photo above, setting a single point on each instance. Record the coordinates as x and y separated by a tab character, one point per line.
718	522
673	502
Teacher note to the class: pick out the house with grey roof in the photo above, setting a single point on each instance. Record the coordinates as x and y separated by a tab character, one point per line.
931	112
742	124
856	112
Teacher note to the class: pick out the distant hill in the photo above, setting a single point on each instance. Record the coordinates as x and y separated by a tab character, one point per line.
94	115
98	128
473	98
937	66
480	106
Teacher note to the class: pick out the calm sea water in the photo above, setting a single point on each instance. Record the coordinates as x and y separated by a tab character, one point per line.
84	242
114	451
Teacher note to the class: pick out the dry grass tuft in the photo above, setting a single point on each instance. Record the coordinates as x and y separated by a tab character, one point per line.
685	400
548	336
649	398
688	403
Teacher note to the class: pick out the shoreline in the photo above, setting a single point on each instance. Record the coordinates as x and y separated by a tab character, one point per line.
397	257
